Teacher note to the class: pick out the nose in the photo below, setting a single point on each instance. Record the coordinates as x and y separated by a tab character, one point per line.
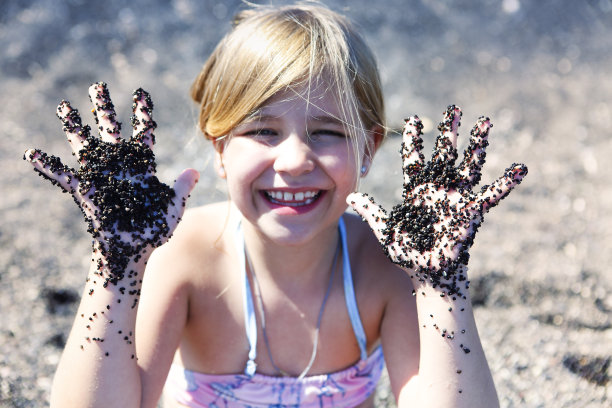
294	156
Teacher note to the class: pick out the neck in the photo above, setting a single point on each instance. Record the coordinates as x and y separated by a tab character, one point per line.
305	264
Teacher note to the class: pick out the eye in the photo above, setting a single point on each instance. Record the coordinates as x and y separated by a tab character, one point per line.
330	132
260	133
326	134
266	136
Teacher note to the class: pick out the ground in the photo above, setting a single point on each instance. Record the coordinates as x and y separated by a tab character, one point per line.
539	70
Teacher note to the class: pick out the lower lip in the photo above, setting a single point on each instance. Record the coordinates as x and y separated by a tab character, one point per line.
292	210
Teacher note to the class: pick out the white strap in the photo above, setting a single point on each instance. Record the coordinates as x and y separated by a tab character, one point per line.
250	322
349	294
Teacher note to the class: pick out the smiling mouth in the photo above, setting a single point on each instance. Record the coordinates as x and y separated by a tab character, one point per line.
289	199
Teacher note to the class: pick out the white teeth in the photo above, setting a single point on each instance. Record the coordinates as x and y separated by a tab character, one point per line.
300	198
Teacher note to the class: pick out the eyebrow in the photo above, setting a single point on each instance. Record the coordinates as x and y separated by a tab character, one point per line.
327	119
259	116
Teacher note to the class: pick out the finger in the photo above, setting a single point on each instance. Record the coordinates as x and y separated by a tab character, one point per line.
76	133
52	168
104	113
370	212
412	145
446	143
183	186
491	195
142	119
475	154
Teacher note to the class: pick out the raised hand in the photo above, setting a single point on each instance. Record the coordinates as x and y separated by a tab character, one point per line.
128	210
431	231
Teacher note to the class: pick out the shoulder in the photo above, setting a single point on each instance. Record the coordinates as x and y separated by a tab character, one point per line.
187	265
204	224
199	243
175	271
367	254
383	291
380	276
200	228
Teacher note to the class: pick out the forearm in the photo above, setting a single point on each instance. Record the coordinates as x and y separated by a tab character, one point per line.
429	234
99	363
128	212
453	368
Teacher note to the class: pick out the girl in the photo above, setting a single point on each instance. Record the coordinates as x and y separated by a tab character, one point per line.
276	297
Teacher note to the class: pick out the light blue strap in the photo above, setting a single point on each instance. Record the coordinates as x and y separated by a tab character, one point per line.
349	294
250	322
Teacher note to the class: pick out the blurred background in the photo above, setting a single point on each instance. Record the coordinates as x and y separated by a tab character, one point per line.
540	69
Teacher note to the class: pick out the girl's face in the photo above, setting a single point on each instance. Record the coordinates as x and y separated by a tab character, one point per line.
290	166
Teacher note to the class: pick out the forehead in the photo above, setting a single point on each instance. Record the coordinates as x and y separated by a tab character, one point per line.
315	99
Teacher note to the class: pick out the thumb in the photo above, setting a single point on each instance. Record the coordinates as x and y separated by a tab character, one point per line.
491	195
372	213
52	168
183	185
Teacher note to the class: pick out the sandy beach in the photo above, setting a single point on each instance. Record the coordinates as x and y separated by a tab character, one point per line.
539	70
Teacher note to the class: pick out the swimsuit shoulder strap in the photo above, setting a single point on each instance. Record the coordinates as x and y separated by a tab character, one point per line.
250	321
349	294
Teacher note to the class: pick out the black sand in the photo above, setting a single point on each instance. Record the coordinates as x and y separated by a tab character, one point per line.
540	70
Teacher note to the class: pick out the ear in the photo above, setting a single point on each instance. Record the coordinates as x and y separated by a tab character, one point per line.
374	140
219	146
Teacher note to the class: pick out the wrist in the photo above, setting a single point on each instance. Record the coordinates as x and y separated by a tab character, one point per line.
446	281
110	270
449	319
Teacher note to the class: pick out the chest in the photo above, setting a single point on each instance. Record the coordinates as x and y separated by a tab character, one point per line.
215	338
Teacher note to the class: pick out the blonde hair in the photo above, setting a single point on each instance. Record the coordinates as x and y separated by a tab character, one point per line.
271	49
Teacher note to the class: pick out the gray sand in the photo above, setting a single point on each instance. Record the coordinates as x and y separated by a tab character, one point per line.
541	71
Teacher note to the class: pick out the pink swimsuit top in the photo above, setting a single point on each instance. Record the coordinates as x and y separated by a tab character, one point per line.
346	388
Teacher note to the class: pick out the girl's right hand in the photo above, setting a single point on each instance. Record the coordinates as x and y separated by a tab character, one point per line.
128	210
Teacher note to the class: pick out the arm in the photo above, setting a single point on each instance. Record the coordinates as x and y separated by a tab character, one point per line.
441	374
129	212
429	235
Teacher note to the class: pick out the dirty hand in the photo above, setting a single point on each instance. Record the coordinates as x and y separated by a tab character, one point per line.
128	210
431	231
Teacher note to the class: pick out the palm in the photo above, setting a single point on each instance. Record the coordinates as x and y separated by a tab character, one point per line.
128	210
431	231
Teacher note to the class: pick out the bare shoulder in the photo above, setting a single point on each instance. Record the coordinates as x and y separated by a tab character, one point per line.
202	224
183	267
370	262
383	290
175	272
199	241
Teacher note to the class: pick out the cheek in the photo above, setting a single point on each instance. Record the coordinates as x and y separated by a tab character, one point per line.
243	161
343	169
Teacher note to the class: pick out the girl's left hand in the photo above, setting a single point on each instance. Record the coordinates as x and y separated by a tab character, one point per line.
431	231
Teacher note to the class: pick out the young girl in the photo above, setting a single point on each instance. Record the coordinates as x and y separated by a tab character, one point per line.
276	297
